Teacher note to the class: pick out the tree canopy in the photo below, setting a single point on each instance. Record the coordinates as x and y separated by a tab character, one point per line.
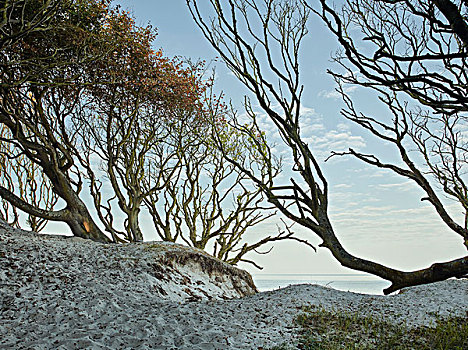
89	109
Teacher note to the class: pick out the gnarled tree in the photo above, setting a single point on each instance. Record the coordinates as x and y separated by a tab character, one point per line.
260	42
43	75
208	202
126	123
21	176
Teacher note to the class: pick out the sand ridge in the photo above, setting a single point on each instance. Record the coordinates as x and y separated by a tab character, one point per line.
58	293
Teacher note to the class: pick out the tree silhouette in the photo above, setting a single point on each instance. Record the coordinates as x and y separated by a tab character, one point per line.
260	42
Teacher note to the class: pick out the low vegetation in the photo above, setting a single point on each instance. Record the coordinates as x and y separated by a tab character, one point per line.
322	329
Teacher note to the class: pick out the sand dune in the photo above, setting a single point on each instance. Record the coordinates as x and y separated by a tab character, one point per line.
61	293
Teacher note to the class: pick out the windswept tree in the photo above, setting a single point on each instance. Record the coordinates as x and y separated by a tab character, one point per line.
20	19
86	101
417	65
126	123
260	42
43	76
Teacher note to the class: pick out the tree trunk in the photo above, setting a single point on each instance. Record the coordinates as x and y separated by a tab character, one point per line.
82	225
133	225
80	221
75	215
400	279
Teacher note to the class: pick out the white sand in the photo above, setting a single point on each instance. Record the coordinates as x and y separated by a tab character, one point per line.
58	293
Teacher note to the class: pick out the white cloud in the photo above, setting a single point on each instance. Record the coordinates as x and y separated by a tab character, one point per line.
334	140
399	186
321	139
379	173
342	127
334	94
307	111
342	186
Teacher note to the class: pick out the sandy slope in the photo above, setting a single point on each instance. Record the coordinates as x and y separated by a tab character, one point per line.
70	294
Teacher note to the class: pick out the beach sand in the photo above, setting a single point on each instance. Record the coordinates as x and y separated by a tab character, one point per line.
61	293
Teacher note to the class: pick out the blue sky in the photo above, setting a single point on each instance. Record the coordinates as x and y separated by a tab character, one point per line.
376	214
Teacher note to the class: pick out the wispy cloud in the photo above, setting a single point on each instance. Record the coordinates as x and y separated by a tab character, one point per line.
399	186
342	186
321	139
334	140
334	94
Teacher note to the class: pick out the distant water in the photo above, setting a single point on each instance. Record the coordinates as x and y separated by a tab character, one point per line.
358	283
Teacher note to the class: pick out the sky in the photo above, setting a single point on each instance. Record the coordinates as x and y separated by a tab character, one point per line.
376	215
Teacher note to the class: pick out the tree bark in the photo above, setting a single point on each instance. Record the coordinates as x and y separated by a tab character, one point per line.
82	225
455	18
75	215
132	223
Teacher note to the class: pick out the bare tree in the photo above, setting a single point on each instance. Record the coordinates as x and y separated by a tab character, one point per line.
417	65
37	132
418	53
260	42
129	140
18	19
167	167
207	202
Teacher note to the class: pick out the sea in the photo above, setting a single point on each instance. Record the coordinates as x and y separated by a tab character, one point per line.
357	283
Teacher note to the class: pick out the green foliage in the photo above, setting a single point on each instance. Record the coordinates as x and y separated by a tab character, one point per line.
329	330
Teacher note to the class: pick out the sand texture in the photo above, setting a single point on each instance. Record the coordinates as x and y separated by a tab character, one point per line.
67	293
